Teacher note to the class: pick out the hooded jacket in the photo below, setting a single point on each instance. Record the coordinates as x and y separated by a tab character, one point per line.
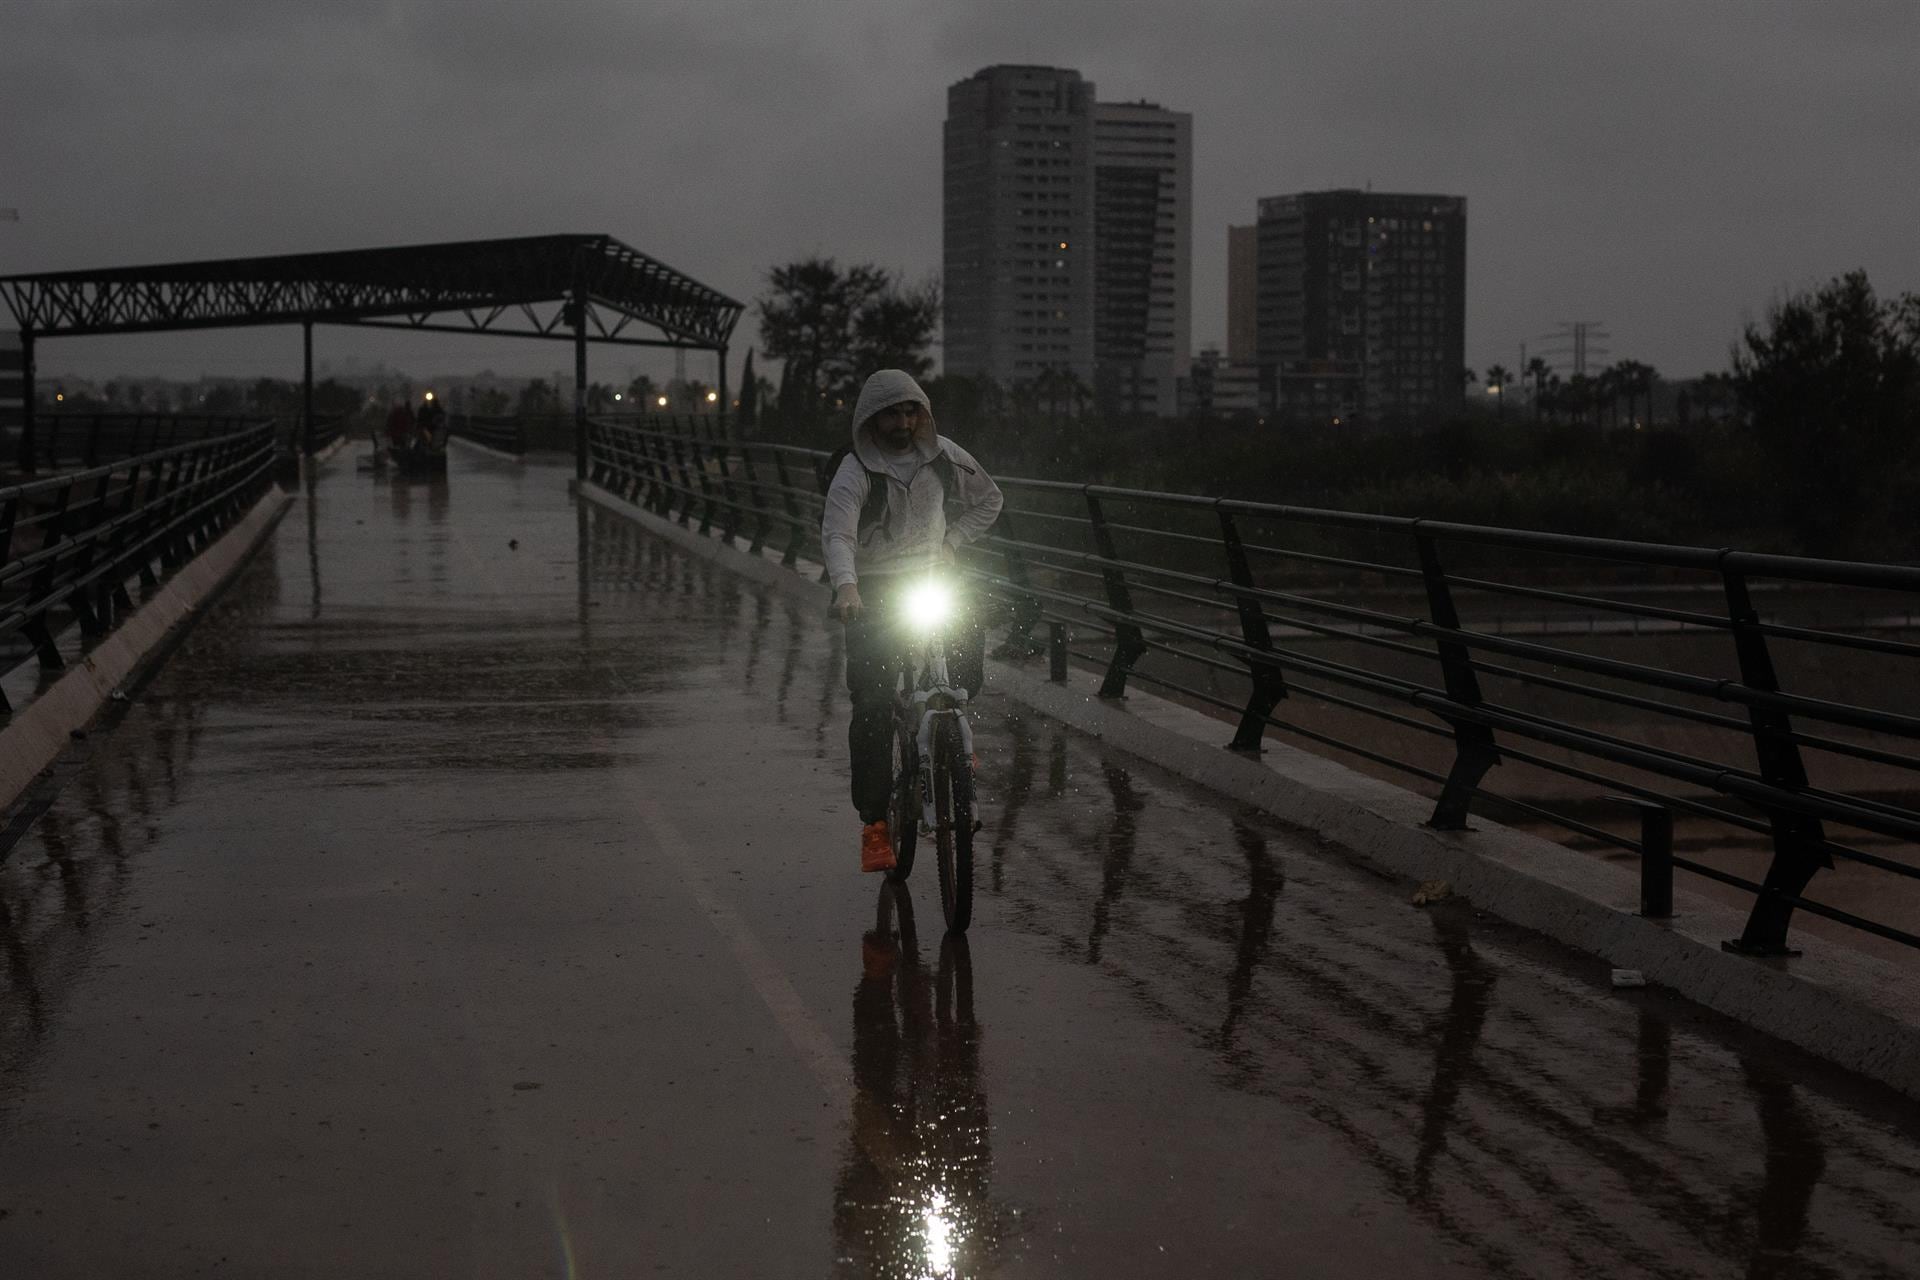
916	518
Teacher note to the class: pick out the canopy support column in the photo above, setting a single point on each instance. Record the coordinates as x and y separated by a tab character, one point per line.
725	418
306	388
579	317
27	396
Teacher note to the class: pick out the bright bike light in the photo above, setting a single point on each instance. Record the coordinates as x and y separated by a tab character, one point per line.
928	604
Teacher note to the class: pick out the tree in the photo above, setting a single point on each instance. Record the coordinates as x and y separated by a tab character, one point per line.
832	327
643	395
749	393
1830	383
1497	379
537	398
1645	378
895	330
1539	371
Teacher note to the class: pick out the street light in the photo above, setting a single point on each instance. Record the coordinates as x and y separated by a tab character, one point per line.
662	402
713	397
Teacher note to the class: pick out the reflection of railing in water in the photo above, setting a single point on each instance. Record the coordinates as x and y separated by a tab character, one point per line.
1192	590
1487	1119
64	877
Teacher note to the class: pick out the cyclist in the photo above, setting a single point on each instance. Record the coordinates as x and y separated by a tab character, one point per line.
886	518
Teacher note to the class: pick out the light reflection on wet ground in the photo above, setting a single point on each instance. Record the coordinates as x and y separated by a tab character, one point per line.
443	909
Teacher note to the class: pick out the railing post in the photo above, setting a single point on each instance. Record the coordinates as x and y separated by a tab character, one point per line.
1269	686
1026	605
706	485
1057	652
1797	839
794	532
659	498
1656	856
729	498
1128	643
762	521
36	630
171	538
1474	749
686	481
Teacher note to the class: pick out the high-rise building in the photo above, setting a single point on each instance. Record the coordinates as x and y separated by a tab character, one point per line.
1018	224
1361	305
1067	236
1142	247
1243	258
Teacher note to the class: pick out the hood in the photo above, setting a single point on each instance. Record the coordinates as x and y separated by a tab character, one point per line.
890	387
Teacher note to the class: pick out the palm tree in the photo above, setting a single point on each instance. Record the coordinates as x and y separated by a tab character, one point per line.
1497	379
1539	371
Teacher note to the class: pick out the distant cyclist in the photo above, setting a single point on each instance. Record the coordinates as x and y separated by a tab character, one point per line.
886	519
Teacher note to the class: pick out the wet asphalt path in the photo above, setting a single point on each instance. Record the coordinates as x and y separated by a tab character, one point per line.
441	909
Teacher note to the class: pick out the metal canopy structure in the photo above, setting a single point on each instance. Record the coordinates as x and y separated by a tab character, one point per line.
578	288
520	287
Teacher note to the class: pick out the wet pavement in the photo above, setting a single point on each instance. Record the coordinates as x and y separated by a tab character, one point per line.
445	908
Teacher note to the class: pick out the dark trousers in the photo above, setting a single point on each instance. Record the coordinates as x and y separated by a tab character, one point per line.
877	649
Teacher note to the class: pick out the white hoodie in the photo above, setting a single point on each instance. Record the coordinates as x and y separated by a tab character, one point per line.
916	522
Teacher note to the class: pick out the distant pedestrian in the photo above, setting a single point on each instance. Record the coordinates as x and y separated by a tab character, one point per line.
399	426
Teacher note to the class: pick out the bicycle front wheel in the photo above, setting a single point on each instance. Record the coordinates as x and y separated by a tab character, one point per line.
952	782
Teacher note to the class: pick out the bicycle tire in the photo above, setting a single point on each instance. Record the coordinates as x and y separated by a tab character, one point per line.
903	801
953	832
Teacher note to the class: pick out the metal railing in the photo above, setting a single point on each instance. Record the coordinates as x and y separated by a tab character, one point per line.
70	543
1395	642
507	434
67	440
327	430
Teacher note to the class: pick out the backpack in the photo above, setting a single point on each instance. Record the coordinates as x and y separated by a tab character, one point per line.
874	510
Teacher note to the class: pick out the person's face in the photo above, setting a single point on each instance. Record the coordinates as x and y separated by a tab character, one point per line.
895	425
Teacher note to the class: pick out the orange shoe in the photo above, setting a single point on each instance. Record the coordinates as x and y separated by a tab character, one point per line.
877	954
876	849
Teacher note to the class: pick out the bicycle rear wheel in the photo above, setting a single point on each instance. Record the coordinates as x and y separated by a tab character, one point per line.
903	802
953	832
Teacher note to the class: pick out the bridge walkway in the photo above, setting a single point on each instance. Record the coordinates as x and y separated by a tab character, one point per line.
473	894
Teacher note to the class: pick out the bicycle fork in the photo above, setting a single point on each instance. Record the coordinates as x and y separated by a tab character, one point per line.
929	822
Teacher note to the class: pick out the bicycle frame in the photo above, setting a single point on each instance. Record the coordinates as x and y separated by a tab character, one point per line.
933	696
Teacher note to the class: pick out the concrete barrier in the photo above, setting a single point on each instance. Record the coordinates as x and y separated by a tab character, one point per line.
1852	1009
37	733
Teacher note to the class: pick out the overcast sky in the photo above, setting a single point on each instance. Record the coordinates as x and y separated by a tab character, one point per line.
1667	168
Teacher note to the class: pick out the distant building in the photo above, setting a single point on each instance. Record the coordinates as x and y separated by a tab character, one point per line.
1017	224
1143	248
1243	258
1067	236
1215	387
1360	312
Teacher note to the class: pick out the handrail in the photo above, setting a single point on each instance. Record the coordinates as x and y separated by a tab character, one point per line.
1197	593
70	543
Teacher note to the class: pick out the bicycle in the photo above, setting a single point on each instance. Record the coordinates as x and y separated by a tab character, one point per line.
933	792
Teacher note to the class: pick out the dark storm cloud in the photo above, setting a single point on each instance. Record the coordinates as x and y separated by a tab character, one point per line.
1667	168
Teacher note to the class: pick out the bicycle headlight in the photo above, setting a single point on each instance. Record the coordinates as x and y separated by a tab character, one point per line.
928	604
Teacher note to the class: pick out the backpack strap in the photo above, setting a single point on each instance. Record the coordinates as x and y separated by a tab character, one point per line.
874	510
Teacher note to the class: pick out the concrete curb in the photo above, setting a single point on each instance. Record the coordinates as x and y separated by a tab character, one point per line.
1851	1009
41	730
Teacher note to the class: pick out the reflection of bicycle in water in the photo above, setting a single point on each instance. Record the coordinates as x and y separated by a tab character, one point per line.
912	1195
933	754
